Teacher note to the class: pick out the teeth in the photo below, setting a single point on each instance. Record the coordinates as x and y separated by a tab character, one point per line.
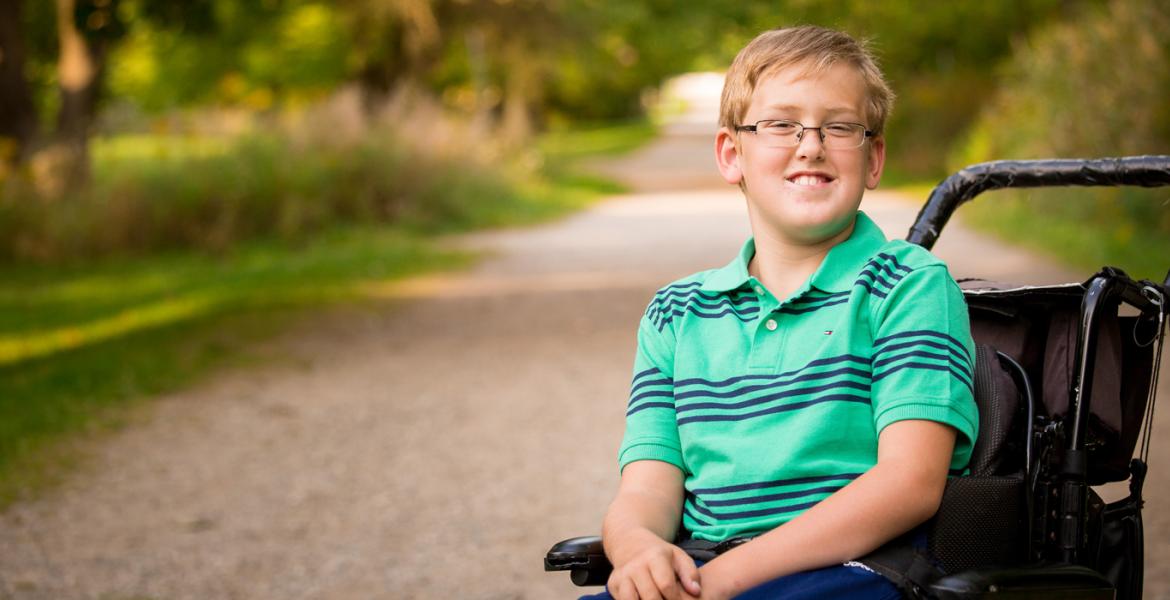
807	180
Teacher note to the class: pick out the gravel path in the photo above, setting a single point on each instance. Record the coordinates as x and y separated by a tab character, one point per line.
434	443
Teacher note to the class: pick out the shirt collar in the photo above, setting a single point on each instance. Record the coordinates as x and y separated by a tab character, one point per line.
845	260
836	273
735	273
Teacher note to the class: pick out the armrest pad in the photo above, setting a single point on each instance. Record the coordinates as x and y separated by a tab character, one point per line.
583	557
1037	581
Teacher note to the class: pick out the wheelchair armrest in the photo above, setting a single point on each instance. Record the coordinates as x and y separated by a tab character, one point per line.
583	557
1056	581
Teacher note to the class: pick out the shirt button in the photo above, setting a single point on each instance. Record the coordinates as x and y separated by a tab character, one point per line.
770	324
760	290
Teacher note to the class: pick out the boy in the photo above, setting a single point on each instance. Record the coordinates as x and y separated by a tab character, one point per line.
812	396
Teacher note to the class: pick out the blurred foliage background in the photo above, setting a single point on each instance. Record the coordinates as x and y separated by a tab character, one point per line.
1093	85
116	112
175	176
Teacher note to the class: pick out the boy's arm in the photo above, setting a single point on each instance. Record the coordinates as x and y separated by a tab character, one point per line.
637	530
901	491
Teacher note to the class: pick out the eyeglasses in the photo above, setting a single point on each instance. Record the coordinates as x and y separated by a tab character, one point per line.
787	134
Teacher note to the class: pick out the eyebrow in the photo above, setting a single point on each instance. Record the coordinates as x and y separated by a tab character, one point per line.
836	110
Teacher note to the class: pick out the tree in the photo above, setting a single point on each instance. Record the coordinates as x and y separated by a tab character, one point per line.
499	51
84	31
80	67
396	41
18	116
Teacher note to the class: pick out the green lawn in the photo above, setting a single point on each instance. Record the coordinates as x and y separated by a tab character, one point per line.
1083	228
1044	221
80	343
77	344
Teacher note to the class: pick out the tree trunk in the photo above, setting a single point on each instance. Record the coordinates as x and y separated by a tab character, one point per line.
521	90
486	96
18	118
79	71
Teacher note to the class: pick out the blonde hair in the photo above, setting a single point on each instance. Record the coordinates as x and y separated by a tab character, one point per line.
816	47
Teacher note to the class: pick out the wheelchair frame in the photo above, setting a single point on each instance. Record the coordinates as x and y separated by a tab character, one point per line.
1062	553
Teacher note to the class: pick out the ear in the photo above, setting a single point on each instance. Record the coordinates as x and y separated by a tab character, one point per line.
727	156
877	161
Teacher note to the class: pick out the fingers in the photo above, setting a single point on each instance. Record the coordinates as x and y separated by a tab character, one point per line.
688	573
633	584
620	588
665	580
647	588
664	573
614	586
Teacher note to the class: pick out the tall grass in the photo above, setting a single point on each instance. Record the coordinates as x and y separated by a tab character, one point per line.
189	248
282	179
1067	224
263	184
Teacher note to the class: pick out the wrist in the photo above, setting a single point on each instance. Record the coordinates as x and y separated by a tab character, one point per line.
622	548
721	578
717	580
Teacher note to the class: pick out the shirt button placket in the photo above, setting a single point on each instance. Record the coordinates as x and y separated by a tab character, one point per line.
766	346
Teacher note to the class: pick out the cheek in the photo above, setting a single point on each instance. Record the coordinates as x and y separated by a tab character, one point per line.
762	164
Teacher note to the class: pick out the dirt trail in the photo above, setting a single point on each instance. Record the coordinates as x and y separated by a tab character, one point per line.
434	444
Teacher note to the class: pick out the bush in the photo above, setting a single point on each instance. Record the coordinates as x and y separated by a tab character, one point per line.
157	193
1092	86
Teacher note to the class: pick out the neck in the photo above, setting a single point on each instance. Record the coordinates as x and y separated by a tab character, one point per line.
783	266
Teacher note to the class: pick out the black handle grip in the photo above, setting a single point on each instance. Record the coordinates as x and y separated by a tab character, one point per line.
1143	171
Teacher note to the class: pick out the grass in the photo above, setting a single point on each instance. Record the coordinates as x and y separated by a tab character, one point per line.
581	141
1084	228
562	149
918	191
1043	222
80	344
84	341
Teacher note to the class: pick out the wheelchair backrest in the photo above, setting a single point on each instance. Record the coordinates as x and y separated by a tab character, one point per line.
1038	326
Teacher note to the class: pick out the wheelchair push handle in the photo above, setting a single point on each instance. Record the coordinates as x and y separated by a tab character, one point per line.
1141	171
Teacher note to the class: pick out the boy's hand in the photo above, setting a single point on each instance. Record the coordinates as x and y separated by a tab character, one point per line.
716	581
661	571
641	519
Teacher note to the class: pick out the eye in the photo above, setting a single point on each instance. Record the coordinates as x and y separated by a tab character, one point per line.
780	127
840	129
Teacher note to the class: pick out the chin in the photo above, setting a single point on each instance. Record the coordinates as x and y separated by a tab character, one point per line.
815	231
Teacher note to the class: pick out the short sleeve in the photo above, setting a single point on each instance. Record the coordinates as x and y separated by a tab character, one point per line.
651	428
924	358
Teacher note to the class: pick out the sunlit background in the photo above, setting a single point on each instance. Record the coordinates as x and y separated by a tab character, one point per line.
180	177
307	110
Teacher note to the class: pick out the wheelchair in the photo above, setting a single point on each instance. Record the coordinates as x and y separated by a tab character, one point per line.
1065	383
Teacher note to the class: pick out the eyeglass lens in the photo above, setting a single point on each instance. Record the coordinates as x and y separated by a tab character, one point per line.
786	134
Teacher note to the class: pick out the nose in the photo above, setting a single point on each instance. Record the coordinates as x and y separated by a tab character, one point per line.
817	148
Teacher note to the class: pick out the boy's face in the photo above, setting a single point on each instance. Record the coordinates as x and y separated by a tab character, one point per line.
806	194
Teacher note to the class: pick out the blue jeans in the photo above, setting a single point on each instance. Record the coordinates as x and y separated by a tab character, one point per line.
838	582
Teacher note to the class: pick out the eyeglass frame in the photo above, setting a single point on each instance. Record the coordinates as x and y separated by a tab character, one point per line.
754	128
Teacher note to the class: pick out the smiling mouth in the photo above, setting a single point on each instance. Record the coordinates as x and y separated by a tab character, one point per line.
806	179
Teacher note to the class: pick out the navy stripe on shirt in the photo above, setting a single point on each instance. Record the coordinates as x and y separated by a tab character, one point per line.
799	391
762	485
820	362
748	514
775	384
775	409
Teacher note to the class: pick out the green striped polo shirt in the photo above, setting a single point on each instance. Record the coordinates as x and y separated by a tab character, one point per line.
768	406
